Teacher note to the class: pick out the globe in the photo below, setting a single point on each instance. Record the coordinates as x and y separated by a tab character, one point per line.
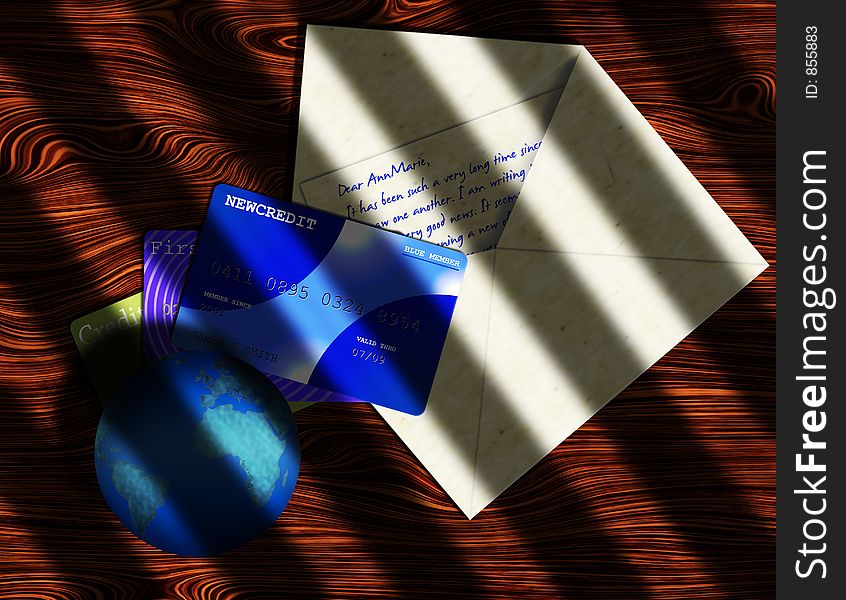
197	454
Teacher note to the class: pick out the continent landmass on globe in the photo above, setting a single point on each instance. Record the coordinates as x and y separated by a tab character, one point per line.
224	431
231	381
144	493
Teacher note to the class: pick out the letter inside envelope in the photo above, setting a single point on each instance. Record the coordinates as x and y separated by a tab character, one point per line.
592	249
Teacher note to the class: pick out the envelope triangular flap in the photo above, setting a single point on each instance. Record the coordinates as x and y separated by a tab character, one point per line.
561	352
605	182
367	91
613	254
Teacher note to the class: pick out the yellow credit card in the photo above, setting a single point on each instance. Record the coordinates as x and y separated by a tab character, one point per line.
109	341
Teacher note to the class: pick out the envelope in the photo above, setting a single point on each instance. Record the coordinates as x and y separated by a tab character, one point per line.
611	255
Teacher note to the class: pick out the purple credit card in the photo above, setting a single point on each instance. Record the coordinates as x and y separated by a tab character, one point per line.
167	256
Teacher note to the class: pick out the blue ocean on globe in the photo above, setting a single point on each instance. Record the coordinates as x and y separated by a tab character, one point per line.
197	454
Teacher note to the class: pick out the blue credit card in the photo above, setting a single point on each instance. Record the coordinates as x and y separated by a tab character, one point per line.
311	297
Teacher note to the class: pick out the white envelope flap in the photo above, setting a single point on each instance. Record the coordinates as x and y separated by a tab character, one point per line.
617	187
613	254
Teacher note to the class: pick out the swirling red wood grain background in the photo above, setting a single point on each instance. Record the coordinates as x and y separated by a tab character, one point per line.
117	117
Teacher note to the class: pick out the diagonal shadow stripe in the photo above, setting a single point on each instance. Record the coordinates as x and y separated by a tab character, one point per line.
413	541
753	164
225	86
59	479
